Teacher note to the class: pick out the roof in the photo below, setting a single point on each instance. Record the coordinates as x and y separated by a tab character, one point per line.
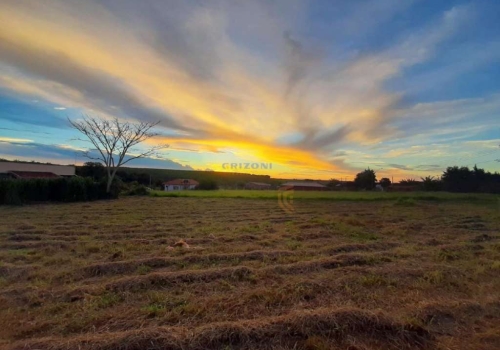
303	184
259	183
62	170
182	182
33	175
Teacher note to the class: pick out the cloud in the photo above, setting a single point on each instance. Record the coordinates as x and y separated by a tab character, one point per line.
400	166
441	118
15	110
317	140
26	131
12	139
420	167
340	154
429	167
98	90
493	144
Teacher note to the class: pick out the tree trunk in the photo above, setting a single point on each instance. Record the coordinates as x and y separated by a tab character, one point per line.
108	185
111	176
110	181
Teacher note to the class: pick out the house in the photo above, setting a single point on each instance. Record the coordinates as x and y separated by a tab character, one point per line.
257	186
303	186
180	185
18	170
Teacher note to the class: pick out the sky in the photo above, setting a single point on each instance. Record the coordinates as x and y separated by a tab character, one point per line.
317	89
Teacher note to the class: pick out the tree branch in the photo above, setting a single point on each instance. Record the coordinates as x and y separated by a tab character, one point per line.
115	139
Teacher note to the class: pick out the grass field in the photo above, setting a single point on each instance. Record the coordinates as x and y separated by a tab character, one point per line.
359	271
335	196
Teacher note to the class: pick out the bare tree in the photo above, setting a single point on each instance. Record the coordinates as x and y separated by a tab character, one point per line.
114	141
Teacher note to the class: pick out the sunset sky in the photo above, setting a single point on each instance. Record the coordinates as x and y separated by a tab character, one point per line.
320	89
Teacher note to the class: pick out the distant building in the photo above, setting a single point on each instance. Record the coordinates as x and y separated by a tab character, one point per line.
303	186
15	170
180	185
257	186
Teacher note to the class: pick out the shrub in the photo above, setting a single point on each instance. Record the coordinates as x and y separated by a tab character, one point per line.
74	189
58	189
77	190
40	190
93	189
207	185
429	183
12	196
139	190
385	182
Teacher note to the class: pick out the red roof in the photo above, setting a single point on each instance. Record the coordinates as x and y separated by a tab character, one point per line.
182	182
33	175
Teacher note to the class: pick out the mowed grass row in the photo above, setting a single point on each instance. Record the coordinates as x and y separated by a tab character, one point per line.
373	274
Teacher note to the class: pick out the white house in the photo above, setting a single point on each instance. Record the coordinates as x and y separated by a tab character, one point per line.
180	185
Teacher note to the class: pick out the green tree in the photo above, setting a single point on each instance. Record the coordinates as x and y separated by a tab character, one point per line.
94	170
409	182
385	182
366	179
429	183
207	185
458	179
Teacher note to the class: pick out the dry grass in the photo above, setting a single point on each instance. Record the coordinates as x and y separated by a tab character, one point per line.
227	273
292	330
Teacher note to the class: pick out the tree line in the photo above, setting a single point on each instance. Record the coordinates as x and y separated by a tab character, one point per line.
453	179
